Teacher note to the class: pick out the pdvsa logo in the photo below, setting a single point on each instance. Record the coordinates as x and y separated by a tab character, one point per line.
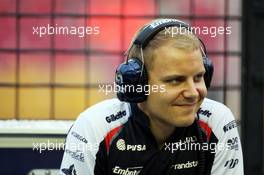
122	146
115	117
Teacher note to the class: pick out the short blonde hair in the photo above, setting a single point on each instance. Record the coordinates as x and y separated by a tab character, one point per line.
181	40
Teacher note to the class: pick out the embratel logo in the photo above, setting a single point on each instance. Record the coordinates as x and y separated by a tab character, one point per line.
127	171
230	126
122	146
113	117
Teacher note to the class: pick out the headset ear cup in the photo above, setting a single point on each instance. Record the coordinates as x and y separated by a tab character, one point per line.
209	70
128	78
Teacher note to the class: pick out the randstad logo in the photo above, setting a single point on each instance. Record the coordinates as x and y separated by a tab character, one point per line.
113	117
185	165
122	146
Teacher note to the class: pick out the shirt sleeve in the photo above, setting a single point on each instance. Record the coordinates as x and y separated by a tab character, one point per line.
228	154
85	151
79	151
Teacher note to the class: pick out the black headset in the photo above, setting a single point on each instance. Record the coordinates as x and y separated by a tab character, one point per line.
132	74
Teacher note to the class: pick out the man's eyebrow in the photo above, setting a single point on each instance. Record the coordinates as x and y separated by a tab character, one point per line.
175	76
201	72
171	77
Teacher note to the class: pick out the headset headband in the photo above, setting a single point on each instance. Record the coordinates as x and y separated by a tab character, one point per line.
155	27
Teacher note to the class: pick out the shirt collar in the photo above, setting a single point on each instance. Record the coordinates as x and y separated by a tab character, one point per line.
142	120
139	116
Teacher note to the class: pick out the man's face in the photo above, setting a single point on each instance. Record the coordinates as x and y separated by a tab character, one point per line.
182	74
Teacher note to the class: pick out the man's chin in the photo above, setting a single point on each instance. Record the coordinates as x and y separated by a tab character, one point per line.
185	121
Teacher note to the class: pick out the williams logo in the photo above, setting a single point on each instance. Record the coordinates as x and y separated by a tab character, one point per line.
113	117
122	146
70	171
127	171
119	78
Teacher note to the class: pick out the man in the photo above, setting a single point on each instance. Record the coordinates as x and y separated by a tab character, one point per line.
168	127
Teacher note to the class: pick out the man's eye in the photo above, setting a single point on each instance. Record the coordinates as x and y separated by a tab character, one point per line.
198	77
175	80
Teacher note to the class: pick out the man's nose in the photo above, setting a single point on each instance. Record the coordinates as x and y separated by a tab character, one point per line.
190	90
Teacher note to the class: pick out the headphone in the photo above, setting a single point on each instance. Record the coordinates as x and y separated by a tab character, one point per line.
132	74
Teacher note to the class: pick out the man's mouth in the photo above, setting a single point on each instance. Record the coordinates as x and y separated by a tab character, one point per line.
186	105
